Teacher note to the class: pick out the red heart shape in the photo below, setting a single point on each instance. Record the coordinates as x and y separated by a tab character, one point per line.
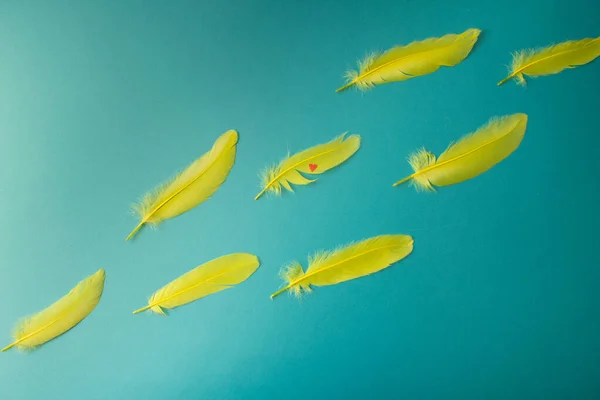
312	167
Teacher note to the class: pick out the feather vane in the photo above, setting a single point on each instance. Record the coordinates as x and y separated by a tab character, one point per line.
314	161
415	59
346	263
196	184
63	315
214	276
470	156
552	59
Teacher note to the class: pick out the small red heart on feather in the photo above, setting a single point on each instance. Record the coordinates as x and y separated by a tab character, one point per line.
312	167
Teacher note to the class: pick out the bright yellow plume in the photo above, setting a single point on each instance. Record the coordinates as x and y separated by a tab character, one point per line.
315	160
552	59
61	316
216	275
350	262
191	187
470	156
416	59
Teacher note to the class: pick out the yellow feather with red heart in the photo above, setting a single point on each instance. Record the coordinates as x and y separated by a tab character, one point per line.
314	161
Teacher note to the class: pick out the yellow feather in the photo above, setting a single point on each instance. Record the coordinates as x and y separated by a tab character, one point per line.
315	160
470	156
61	316
349	262
191	187
552	59
416	59
216	275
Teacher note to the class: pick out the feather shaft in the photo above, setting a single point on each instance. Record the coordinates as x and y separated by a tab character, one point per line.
136	229
260	193
139	310
277	293
346	86
401	181
10	346
503	81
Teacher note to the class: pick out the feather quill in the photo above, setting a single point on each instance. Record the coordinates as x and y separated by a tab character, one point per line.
470	156
196	184
214	276
315	160
61	316
552	59
415	59
346	263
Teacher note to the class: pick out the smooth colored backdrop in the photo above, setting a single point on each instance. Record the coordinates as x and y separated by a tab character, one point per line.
102	100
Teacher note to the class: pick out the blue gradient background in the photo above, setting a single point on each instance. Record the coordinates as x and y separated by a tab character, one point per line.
102	100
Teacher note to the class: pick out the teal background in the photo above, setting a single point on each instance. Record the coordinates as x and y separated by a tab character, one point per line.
102	100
